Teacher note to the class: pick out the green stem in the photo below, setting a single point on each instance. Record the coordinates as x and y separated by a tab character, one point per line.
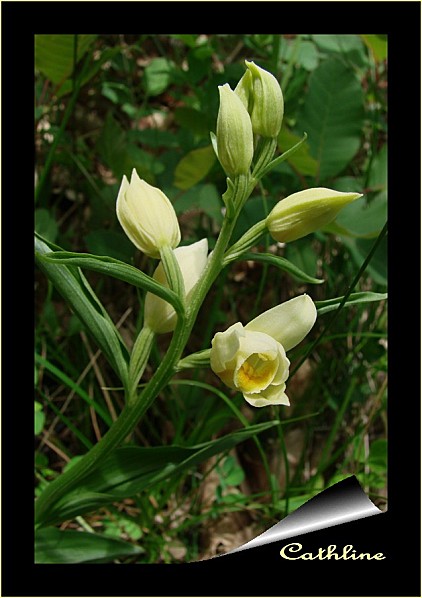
344	300
248	240
138	359
283	156
138	404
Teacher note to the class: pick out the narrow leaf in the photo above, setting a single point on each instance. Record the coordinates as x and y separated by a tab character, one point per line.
324	307
282	264
74	288
53	546
116	269
129	470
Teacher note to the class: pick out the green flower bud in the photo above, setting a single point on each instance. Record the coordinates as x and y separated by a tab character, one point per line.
261	95
234	134
304	212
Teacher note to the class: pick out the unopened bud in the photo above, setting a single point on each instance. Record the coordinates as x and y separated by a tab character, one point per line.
234	134
305	212
147	216
261	95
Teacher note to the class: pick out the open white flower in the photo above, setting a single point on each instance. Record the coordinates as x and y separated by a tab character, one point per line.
160	316
147	216
252	358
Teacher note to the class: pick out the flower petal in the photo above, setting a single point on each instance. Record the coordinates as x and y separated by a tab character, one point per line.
192	259
225	346
273	395
287	323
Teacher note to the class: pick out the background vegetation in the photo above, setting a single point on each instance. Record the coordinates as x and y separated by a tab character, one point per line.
105	104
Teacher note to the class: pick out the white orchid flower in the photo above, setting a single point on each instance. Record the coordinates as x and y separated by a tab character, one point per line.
252	358
160	316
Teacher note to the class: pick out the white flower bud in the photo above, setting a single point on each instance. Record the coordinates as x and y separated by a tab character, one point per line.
147	216
304	212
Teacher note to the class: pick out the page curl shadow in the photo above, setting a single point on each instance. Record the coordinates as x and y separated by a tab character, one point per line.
341	503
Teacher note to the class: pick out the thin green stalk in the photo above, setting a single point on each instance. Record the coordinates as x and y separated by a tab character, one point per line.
344	300
75	387
242	419
66	421
334	429
66	116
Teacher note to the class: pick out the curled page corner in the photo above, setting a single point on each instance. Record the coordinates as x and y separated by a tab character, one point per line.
345	501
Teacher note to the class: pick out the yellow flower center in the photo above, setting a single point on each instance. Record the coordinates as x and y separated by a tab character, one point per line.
256	373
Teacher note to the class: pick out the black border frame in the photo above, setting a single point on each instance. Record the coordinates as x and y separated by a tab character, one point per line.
260	571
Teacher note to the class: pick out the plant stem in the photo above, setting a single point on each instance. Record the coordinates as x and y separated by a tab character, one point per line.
138	404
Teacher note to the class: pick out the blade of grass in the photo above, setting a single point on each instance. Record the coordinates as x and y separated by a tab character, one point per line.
66	421
62	377
344	300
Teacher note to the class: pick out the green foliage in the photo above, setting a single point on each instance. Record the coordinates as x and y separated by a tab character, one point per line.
106	104
53	546
332	116
129	470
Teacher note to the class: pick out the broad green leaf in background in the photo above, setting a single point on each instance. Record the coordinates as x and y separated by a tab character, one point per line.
129	470
54	54
308	55
300	52
378	174
157	76
341	44
111	243
230	472
378	46
201	197
193	120
54	546
193	167
361	219
45	224
301	161
119	153
377	268
302	255
333	117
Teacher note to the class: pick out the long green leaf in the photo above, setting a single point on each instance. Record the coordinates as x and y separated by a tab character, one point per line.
282	264
53	546
116	269
74	288
324	307
129	470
